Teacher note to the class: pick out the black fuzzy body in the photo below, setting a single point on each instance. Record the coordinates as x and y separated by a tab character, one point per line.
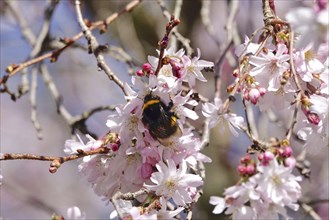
158	118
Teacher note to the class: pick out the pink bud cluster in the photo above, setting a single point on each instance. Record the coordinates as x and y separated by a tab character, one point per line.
110	140
146	70
283	155
247	167
266	157
177	68
253	94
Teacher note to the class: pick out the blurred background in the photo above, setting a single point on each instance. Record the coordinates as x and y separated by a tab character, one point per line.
28	190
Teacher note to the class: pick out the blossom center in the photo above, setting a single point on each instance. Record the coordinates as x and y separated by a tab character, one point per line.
131	158
309	55
276	180
190	69
170	184
273	66
133	123
166	71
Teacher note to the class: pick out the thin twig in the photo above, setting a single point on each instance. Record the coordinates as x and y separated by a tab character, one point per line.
185	42
250	119
27	33
127	196
267	12
53	55
163	43
218	66
318	201
309	210
299	88
205	18
33	102
225	49
177	12
205	134
6	156
201	170
95	48
75	122
56	161
42	35
55	93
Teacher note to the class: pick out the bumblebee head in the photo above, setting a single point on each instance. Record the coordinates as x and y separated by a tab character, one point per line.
150	100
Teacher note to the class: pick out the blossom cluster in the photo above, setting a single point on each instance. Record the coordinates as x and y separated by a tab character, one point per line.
138	159
266	187
276	73
152	148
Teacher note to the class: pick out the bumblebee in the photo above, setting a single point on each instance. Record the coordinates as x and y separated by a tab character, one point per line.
160	120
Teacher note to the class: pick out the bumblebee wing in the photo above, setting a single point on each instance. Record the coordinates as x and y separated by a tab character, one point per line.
165	126
169	140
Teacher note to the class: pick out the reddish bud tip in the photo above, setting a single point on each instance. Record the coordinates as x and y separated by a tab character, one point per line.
290	162
262	91
114	147
313	118
146	67
139	73
242	170
52	169
254	95
245	159
250	169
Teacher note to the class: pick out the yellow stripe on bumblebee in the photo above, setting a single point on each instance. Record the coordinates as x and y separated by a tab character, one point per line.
151	102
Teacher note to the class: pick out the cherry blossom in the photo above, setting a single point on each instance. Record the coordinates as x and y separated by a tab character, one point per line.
215	115
172	182
269	67
192	68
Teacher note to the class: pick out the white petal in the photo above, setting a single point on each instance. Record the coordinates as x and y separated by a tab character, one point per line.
219	204
190	113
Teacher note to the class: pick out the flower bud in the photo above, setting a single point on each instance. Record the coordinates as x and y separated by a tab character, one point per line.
245	159
287	151
313	118
146	67
114	147
262	91
52	169
242	170
176	69
139	73
290	162
265	157
192	191
250	169
268	155
146	170
321	5
280	152
246	95
235	73
254	95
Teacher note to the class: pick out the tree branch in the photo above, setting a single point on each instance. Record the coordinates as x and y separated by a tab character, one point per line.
96	49
53	55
